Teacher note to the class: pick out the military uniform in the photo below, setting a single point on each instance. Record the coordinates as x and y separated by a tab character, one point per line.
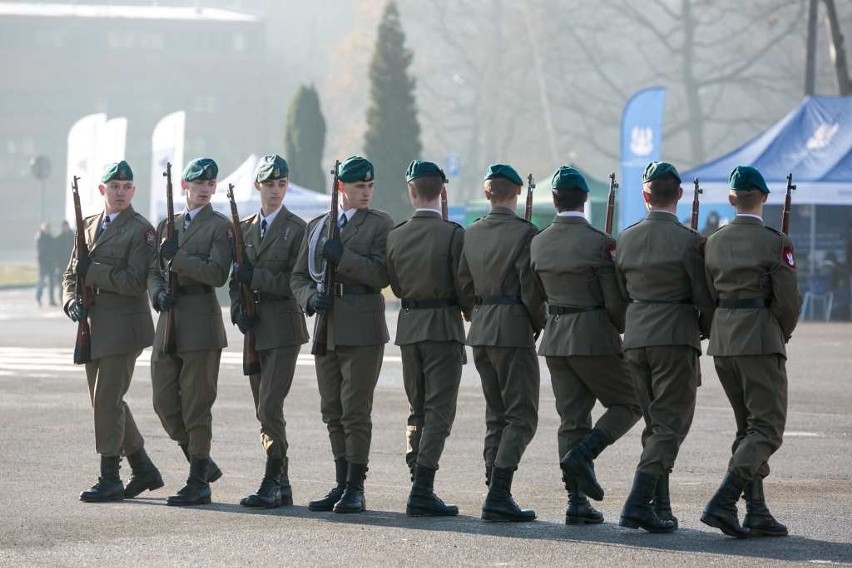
185	382
660	267
751	273
357	332
121	327
495	268
574	268
278	327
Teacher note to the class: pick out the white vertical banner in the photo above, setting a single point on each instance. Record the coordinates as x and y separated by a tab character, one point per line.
111	144
82	158
243	180
166	146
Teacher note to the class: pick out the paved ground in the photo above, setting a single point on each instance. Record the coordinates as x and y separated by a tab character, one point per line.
47	457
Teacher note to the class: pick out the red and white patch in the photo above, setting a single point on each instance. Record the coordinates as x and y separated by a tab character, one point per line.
150	237
788	257
610	252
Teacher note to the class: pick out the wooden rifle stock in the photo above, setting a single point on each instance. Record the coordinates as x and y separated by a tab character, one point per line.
444	207
251	360
530	188
788	203
319	346
83	343
169	344
610	203
695	204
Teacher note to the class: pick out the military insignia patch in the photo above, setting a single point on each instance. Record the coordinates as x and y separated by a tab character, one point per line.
788	257
610	252
150	236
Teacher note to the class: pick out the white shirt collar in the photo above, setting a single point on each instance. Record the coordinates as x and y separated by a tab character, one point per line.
349	214
571	214
428	210
663	211
758	217
271	217
194	212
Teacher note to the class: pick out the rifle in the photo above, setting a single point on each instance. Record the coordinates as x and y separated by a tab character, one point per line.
610	203
785	215
695	205
83	344
169	344
530	188
444	209
326	284
251	360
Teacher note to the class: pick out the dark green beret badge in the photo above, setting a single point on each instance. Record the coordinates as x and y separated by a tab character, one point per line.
417	169
117	171
271	167
201	169
747	178
355	168
567	178
504	171
657	170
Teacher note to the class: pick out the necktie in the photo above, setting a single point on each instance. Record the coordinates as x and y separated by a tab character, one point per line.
103	227
263	225
342	221
187	219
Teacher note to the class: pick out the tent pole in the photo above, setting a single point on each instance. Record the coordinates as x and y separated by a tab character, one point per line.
813	240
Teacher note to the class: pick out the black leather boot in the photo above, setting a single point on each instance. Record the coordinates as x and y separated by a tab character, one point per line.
213	471
578	463
638	512
580	511
422	501
499	504
352	500
662	502
268	496
197	488
721	511
488	471
144	475
109	486
758	518
327	503
286	490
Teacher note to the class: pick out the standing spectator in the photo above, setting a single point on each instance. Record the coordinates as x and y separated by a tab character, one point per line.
62	245
46	265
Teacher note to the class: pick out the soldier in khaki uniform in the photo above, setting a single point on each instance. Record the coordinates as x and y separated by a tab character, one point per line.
184	382
751	272
121	246
509	313
423	256
357	332
575	269
660	267
272	239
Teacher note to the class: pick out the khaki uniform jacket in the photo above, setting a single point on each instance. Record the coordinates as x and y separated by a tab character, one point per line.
204	257
660	268
496	262
355	319
423	258
746	259
278	322
120	318
574	266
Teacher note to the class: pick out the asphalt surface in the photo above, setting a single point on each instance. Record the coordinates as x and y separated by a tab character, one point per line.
47	457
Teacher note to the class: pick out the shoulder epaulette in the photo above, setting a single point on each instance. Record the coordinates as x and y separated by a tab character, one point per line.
95	216
379	213
453	223
398	225
248	219
776	231
296	219
222	216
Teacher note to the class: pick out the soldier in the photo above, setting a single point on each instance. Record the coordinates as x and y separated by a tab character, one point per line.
575	270
751	271
423	256
47	259
184	382
272	239
121	246
357	332
660	267
509	313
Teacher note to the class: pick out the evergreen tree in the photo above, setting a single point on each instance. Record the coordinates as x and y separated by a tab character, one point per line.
305	140
393	132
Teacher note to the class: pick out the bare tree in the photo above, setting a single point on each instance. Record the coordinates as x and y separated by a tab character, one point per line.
838	51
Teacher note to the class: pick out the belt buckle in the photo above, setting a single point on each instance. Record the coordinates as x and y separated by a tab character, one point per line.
338	290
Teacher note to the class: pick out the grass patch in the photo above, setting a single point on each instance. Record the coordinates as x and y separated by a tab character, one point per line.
18	273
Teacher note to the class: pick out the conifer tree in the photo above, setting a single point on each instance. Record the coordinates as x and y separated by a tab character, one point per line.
305	139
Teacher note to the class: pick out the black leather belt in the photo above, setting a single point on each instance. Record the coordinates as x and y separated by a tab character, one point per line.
259	297
686	301
409	304
97	291
743	303
498	300
561	310
194	290
341	289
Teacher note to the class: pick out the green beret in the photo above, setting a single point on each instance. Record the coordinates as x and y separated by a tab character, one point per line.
271	166
119	170
747	178
201	169
417	169
656	170
355	168
503	171
567	178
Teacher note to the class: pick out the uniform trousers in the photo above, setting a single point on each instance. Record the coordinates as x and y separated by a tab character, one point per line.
431	373
667	379
184	387
578	382
510	383
347	378
115	430
756	387
269	388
